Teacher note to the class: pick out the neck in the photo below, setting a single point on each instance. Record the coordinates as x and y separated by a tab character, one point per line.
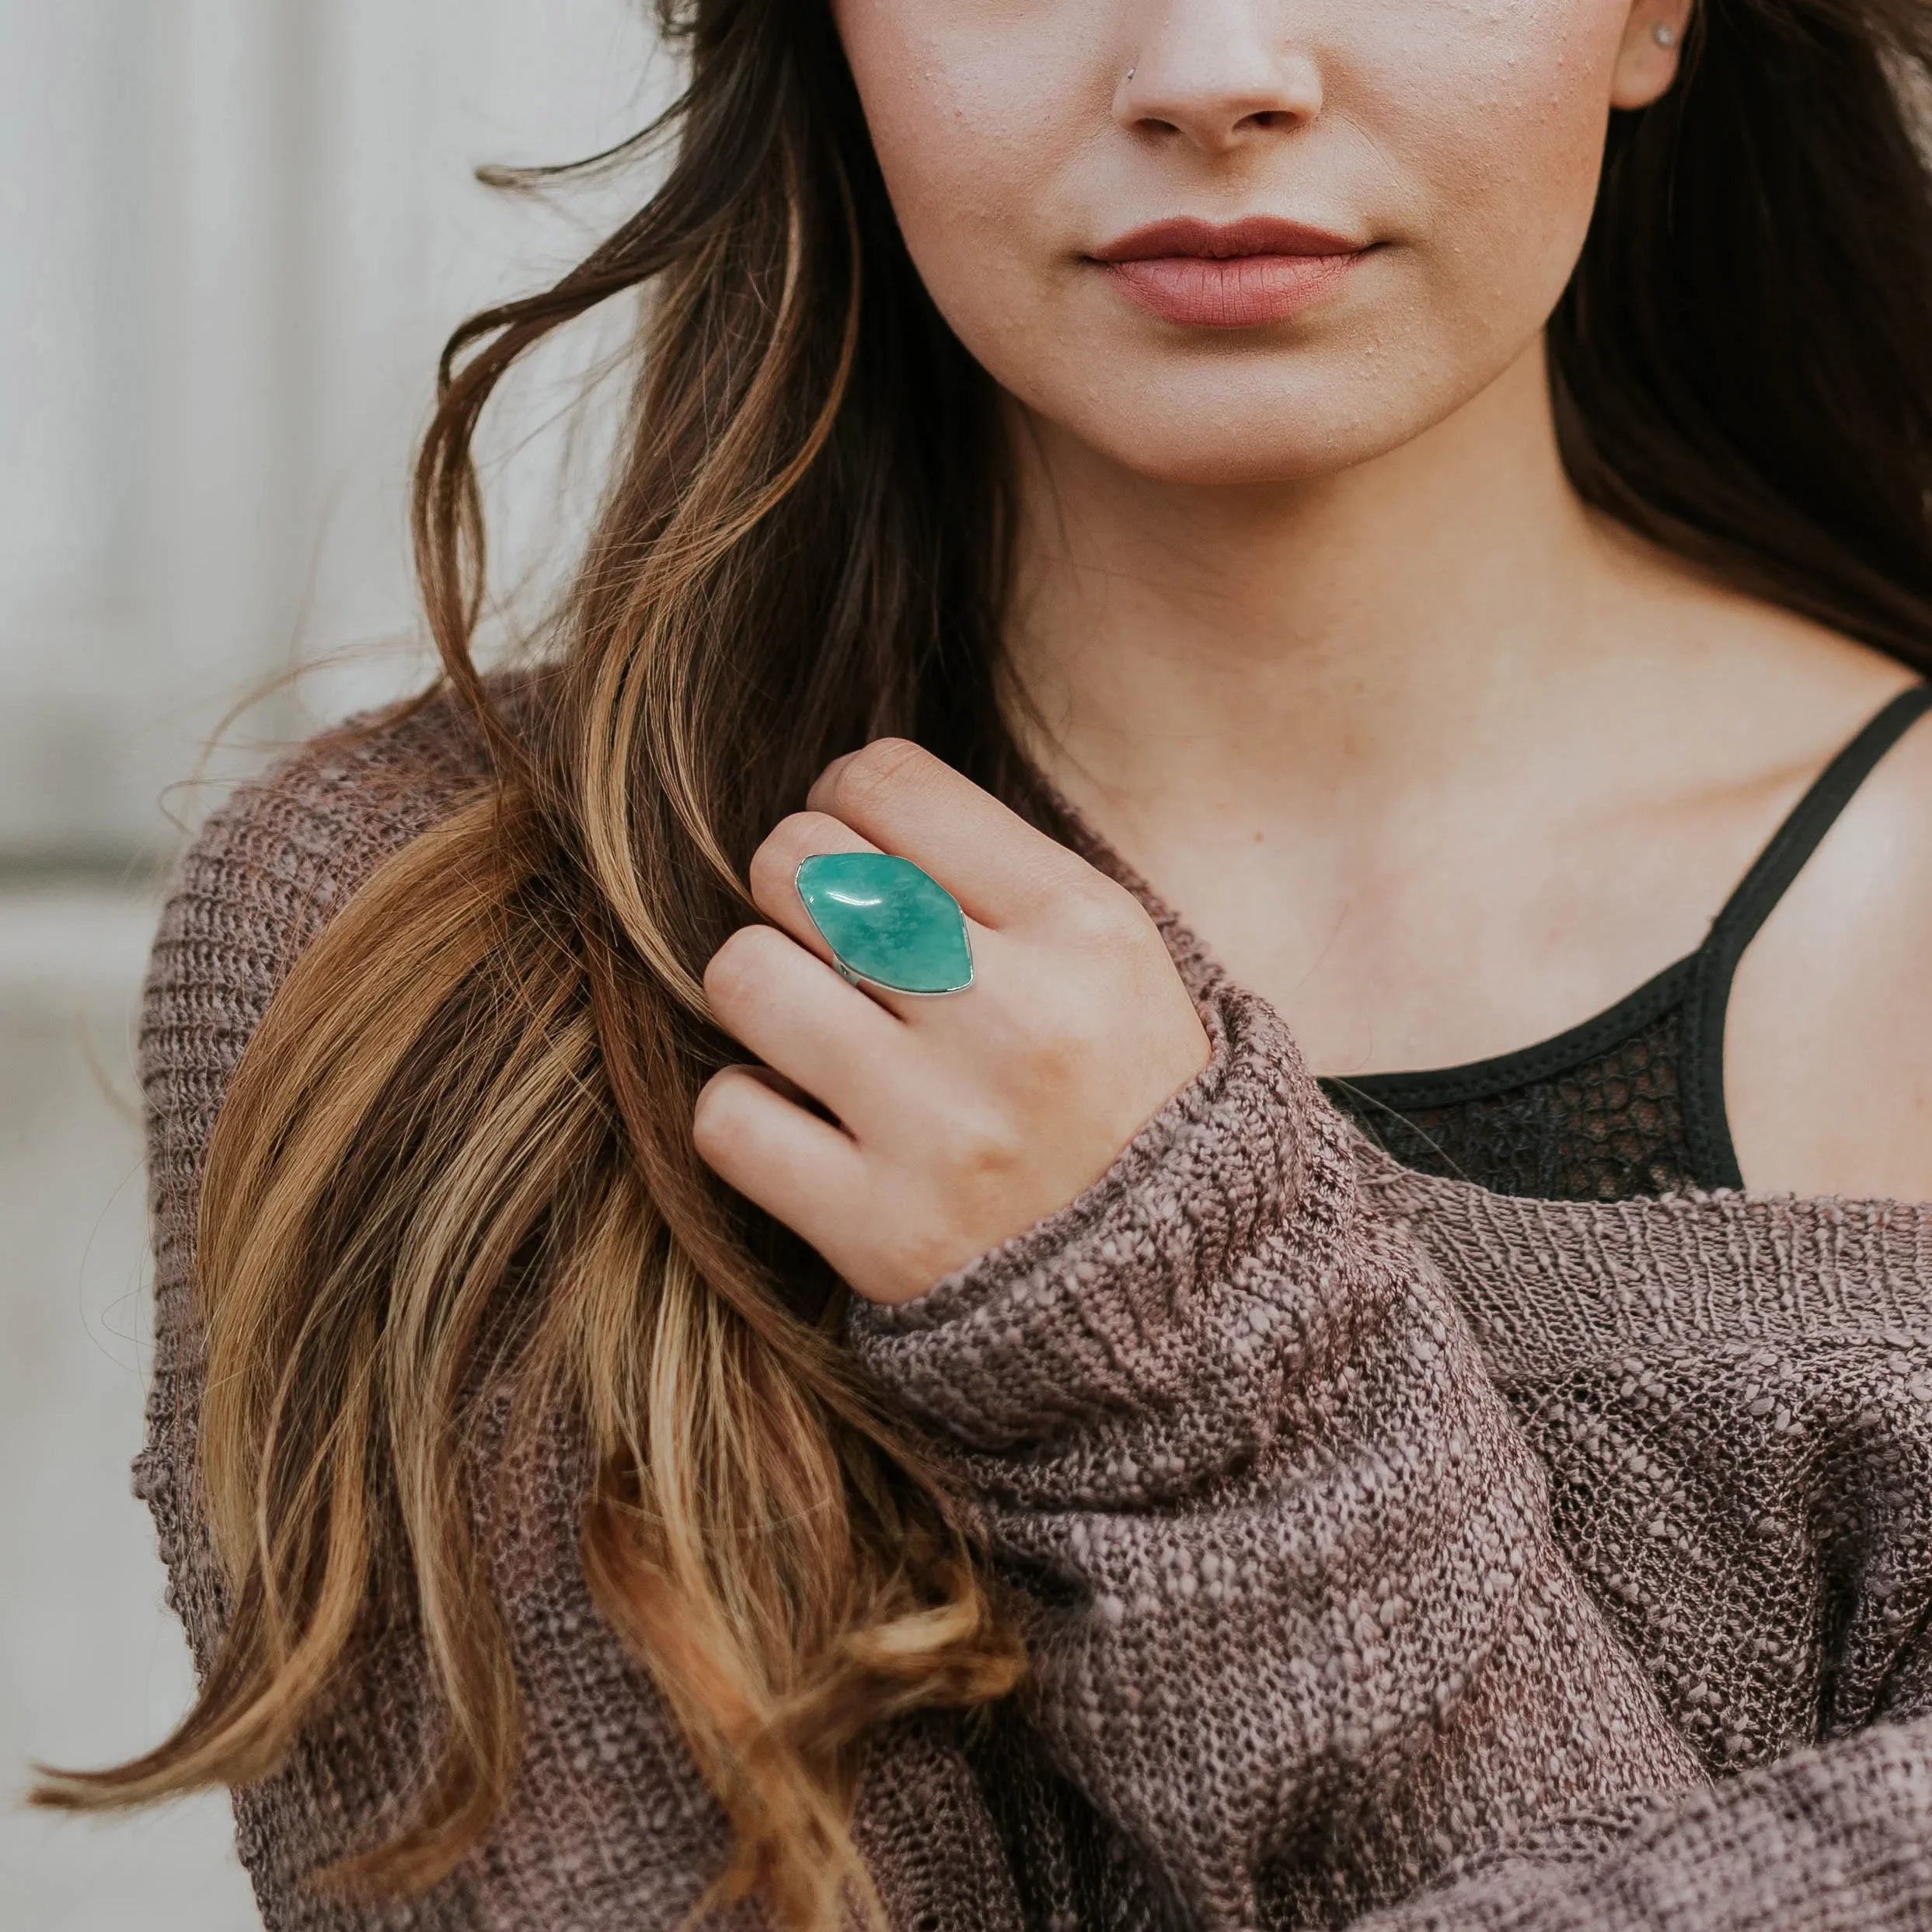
1264	651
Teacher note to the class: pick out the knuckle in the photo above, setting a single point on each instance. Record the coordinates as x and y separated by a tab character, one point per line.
1064	1051
878	771
1093	911
1071	1020
989	1147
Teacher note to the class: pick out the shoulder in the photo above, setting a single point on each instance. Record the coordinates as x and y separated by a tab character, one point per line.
1829	1041
288	846
260	880
262	877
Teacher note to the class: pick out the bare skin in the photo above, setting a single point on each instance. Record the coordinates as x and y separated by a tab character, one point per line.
1427	838
1433	758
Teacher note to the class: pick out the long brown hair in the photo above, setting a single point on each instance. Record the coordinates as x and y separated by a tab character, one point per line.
456	1156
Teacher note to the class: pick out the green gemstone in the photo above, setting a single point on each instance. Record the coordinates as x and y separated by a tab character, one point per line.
887	921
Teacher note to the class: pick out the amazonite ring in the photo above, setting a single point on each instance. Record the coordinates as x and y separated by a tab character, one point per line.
889	923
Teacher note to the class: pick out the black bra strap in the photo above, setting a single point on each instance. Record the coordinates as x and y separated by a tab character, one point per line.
1707	1124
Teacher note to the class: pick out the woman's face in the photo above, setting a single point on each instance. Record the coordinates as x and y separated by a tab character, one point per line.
1431	165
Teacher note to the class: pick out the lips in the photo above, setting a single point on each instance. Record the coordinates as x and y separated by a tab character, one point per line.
1242	274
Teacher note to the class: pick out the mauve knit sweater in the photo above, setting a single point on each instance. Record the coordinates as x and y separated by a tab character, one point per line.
1393	1554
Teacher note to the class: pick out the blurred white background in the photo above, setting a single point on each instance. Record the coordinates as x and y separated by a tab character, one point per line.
233	234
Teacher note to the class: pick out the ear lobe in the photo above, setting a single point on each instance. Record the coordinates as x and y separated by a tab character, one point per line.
1649	56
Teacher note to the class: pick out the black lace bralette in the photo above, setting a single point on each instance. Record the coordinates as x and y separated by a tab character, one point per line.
1631	1102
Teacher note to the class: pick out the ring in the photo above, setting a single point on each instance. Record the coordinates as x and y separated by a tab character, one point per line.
887	920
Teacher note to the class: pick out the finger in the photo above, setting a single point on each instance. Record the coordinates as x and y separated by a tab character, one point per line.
800	1169
773	874
789	1088
796	1014
897	794
774	884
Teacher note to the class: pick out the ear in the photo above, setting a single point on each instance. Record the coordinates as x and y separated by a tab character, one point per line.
1653	46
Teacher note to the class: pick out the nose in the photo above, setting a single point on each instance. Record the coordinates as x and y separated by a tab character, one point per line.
1216	75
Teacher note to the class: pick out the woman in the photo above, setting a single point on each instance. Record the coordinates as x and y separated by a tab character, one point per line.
1435	489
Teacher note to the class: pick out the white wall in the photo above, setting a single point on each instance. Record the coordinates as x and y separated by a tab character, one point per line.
233	234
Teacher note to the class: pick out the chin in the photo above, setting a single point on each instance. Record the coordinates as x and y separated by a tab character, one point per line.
1253	414
1184	438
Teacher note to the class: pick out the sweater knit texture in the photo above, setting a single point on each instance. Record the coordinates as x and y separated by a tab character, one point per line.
1391	1554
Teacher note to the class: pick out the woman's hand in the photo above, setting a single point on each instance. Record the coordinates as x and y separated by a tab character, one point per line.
961	1120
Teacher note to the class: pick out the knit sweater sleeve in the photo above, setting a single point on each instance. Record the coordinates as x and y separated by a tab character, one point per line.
1303	1636
1832	1840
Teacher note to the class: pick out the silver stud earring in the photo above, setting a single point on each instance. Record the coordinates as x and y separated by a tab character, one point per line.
1132	71
1664	34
